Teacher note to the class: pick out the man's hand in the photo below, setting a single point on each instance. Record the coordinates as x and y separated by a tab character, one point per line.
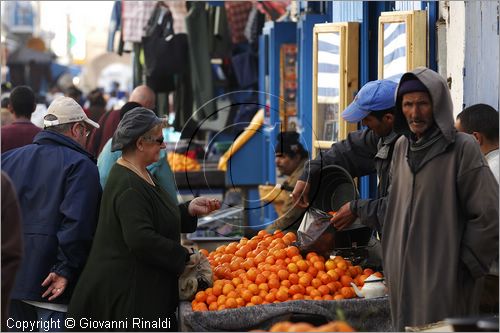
300	194
56	285
202	206
344	217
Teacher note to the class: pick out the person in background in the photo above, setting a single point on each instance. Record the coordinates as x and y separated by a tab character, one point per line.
75	93
12	243
57	182
440	231
109	121
22	131
290	159
6	116
160	169
136	256
481	121
97	105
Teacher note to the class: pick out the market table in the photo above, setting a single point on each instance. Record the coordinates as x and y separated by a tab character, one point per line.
363	314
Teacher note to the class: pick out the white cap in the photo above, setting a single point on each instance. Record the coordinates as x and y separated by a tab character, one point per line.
66	110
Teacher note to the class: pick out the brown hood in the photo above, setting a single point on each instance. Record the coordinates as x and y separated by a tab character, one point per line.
442	105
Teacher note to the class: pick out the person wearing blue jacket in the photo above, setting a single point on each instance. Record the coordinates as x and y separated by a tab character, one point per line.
57	182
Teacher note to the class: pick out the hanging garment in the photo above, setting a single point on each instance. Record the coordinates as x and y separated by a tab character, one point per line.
135	16
237	16
201	70
165	53
114	25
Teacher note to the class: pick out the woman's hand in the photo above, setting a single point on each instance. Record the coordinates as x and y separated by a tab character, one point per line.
202	206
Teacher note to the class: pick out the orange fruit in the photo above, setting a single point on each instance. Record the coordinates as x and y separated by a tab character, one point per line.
227	288
292	268
319	265
293	278
334	275
256	300
338	297
298	296
330	264
310	255
286	283
200	296
368	271
217	290
346	280
324	290
204	252
264	286
312	270
270	297
328	297
253	288
378	274
296	289
292	251
316	282
304	281
231	303
302	265
314	292
213	306
281	295
211	299
347	292
246	295
325	278
260	279
283	274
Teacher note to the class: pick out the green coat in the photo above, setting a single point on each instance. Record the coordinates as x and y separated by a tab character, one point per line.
136	257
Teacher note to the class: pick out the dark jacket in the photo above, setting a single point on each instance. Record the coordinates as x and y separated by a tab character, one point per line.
361	153
136	257
441	228
59	192
12	243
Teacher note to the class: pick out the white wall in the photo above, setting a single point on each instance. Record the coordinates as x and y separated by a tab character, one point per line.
455	51
482	60
470	57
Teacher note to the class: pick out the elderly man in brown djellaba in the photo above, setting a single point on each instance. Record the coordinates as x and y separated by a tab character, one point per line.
440	233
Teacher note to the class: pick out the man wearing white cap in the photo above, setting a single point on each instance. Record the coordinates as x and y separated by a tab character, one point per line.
57	182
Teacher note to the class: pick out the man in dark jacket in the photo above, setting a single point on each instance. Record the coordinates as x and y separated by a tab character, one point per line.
440	231
362	153
58	186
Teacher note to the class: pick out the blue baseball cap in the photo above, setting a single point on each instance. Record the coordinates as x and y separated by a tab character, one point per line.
374	96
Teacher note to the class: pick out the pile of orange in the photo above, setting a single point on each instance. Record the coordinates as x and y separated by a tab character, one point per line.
182	163
268	269
333	326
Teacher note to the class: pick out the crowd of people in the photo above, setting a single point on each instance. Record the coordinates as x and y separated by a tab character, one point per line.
91	222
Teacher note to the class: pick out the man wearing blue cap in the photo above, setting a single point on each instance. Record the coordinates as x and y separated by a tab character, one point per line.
362	153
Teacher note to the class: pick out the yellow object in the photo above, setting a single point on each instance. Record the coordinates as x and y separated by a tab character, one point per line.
180	162
249	131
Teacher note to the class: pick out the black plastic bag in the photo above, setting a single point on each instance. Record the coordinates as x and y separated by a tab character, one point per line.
316	233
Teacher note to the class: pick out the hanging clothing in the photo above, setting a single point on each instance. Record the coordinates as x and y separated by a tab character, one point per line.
237	17
179	12
114	25
201	68
135	16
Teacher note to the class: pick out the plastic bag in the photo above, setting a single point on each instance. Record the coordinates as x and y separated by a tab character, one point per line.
316	233
196	276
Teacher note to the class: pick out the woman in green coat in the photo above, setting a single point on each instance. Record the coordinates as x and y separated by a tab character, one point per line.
130	281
